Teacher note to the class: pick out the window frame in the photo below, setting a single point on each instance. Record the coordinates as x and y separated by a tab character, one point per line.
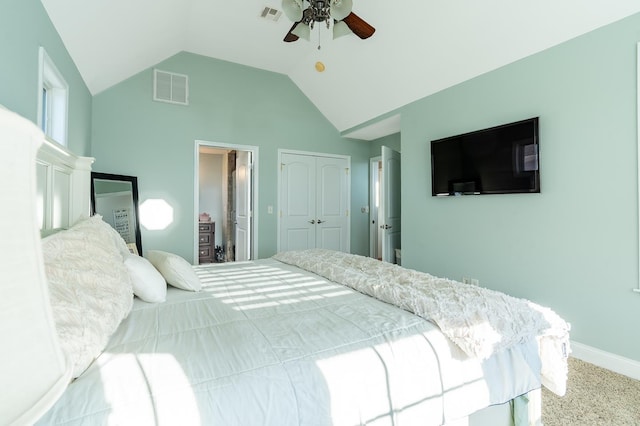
53	100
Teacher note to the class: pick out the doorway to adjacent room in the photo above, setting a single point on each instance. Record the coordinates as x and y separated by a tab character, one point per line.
385	206
224	198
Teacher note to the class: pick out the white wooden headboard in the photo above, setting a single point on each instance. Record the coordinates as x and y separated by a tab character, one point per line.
63	187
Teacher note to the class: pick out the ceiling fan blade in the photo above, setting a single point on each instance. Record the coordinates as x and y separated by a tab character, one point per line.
291	36
359	26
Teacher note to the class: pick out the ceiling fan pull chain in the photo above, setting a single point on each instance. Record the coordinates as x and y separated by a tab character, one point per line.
319	37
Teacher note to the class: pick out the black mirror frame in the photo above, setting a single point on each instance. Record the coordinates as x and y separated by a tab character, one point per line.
134	190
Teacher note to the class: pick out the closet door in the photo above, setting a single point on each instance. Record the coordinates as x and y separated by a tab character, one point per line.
332	203
314	202
297	202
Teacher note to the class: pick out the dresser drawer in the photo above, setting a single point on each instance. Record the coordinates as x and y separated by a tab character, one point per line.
205	227
205	252
204	238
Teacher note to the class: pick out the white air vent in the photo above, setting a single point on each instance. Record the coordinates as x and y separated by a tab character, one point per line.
170	87
270	14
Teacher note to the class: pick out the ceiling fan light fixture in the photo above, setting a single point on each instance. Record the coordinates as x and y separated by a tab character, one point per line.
303	31
336	13
293	9
340	9
341	29
320	66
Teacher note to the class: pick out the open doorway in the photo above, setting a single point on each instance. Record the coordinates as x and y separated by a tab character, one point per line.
385	211
224	199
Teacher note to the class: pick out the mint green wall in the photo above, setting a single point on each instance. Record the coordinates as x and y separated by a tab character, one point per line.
24	27
574	246
231	104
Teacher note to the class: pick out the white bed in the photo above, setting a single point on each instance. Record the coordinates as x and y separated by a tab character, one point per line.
269	343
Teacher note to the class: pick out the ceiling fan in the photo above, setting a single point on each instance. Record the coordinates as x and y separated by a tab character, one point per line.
306	13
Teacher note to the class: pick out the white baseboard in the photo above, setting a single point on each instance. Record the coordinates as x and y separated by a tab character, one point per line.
613	362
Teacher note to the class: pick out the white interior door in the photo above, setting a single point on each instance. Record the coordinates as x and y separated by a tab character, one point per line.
314	202
391	200
332	203
297	202
243	206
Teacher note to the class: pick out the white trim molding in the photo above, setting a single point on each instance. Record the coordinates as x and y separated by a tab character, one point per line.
637	290
613	362
255	150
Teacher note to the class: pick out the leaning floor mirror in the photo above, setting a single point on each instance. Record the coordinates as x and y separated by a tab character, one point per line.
115	198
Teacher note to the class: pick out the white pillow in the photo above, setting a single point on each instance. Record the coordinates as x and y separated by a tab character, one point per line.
89	288
177	271
148	284
97	218
120	243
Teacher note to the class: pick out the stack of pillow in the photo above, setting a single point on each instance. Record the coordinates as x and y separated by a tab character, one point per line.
150	276
92	279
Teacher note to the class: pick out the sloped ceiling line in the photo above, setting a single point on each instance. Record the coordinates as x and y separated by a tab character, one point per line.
420	47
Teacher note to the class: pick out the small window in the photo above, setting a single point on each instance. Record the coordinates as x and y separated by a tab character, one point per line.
53	100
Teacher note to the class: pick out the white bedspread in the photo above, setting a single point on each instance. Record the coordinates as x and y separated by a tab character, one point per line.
266	343
480	321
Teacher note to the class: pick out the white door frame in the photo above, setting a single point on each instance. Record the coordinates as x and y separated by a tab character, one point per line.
254	194
374	177
317	154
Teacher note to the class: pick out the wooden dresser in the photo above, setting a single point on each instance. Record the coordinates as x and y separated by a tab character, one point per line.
206	242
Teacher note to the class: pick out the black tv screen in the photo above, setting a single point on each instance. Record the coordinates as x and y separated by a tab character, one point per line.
500	160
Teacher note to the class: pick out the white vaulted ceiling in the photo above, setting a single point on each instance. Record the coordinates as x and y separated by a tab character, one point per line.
419	48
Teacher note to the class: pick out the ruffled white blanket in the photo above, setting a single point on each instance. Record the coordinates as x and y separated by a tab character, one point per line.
479	320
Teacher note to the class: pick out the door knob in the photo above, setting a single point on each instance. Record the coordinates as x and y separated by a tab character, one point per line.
386	226
312	221
320	221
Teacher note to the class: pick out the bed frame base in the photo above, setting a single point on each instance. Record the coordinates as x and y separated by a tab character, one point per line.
526	410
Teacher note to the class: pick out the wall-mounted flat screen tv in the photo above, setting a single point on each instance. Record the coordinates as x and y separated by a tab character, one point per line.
500	160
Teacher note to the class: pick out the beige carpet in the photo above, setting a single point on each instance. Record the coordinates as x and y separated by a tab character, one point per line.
595	396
